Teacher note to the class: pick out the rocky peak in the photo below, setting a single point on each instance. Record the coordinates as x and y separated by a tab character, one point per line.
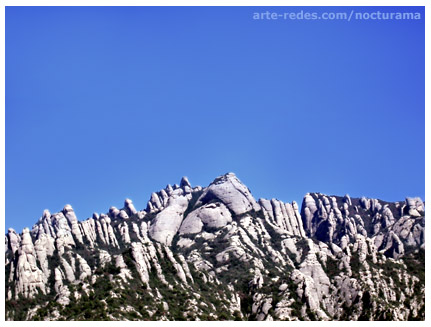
415	207
231	192
336	258
129	207
185	182
13	240
159	200
337	219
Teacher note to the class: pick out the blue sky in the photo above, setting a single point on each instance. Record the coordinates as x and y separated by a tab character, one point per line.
104	103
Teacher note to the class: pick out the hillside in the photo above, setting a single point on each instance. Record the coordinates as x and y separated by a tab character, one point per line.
217	253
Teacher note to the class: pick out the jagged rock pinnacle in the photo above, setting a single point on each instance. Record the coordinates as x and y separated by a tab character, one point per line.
339	258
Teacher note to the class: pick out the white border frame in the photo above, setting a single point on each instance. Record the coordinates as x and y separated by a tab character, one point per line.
269	3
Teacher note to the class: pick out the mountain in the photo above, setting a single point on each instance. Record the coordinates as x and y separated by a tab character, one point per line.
216	253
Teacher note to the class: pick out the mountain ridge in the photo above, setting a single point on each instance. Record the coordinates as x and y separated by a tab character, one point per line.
272	260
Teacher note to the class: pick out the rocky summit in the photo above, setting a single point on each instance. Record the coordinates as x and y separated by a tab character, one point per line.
217	253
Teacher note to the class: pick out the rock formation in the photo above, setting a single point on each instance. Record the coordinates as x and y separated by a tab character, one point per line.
216	253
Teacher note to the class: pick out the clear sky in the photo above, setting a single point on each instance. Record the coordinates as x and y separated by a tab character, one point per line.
104	103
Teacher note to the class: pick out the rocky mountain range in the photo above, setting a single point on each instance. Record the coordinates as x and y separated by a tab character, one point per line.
217	253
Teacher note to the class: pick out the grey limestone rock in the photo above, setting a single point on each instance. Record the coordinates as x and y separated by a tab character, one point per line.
229	190
73	222
213	215
142	264
29	278
125	272
185	182
414	206
113	212
129	207
123	215
167	223
226	256
14	240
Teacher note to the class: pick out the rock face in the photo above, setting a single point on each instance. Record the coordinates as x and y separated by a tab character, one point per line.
129	208
340	219
29	277
73	222
212	215
230	191
215	253
167	222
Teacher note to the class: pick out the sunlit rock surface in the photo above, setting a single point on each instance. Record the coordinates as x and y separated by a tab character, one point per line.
216	253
